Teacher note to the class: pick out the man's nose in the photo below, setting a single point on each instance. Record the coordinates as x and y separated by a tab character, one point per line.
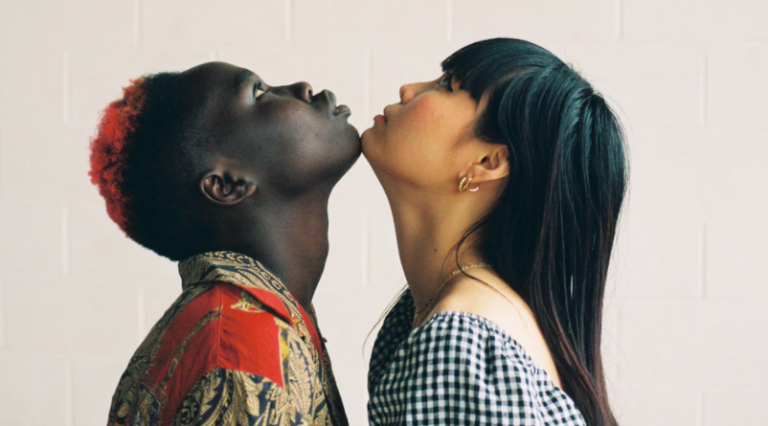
301	90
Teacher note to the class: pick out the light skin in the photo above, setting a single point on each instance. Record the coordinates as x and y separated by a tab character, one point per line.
419	149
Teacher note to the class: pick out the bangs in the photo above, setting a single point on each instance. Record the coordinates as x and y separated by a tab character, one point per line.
482	66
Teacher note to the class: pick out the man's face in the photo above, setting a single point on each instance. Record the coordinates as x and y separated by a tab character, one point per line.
290	137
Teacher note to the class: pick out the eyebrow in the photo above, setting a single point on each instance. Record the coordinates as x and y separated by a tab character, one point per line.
242	77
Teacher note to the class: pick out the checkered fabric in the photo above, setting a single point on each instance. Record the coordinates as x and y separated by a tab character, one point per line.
458	369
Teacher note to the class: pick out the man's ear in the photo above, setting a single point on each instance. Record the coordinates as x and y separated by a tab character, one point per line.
226	184
492	165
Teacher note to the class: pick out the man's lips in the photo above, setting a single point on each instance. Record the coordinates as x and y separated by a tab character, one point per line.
342	110
329	99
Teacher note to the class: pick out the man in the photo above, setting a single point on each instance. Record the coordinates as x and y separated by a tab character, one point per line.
214	168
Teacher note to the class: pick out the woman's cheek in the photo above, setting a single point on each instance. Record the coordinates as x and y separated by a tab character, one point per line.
418	120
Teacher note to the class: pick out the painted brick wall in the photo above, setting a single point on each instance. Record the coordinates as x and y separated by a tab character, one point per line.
686	333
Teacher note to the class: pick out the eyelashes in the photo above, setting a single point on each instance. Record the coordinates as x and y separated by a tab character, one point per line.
258	90
446	82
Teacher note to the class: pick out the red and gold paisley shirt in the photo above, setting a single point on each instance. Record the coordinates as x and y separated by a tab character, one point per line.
234	349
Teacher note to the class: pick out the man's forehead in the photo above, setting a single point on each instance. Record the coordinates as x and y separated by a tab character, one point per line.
219	73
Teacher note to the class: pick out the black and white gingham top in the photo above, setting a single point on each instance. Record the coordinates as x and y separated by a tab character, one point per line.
458	369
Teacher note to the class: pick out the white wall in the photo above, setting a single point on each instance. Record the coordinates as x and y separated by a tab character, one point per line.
686	325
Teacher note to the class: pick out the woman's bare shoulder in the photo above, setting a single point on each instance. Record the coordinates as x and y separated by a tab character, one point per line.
492	299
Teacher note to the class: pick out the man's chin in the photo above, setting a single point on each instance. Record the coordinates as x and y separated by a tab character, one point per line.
345	160
352	159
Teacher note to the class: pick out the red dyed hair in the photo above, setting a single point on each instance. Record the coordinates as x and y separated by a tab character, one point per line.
109	151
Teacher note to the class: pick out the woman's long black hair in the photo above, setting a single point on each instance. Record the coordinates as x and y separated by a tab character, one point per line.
551	233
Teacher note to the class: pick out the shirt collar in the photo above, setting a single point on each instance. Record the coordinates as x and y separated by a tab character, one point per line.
225	266
237	269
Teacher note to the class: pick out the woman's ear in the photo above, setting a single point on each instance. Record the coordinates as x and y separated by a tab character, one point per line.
492	165
227	185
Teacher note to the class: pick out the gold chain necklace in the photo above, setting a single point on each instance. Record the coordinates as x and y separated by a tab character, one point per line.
428	305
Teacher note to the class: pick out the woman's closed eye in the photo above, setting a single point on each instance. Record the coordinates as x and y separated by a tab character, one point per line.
258	90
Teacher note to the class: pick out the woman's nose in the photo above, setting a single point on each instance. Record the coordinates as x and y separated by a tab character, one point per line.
407	92
302	90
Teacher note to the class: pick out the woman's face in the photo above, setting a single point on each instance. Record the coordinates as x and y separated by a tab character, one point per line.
421	141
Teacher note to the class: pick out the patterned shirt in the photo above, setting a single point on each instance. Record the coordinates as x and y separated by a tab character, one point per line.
458	369
234	349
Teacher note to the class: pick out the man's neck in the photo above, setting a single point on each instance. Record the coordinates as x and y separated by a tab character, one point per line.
290	238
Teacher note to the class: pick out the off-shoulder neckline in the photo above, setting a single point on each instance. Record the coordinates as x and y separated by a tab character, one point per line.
498	330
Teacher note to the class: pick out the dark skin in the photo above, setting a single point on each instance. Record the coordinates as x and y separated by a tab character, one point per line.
275	155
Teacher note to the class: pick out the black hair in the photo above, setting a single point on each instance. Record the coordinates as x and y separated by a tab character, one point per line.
551	233
162	164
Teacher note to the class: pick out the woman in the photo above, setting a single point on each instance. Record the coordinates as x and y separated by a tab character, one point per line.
505	176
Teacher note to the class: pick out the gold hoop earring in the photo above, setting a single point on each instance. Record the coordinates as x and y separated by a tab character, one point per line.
464	184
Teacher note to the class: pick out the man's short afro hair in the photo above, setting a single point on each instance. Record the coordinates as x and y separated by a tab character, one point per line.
144	161
109	152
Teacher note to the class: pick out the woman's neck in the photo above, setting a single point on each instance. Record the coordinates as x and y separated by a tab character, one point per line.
429	228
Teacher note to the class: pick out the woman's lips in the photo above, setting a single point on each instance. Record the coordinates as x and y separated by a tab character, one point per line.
381	117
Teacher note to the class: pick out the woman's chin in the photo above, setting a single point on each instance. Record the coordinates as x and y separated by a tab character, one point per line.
366	140
367	156
366	133
369	152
